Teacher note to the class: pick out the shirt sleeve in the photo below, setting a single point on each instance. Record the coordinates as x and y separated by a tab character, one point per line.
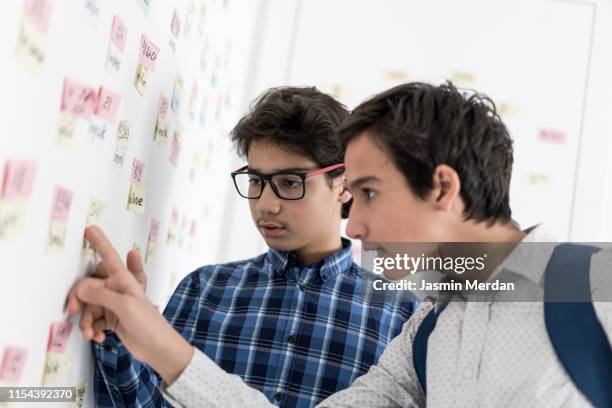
119	379
204	384
393	381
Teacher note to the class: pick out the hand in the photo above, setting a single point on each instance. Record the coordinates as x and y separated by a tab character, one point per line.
118	303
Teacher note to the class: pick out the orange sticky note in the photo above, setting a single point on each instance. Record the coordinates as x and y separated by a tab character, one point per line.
148	53
12	363
118	33
58	336
78	99
108	104
18	179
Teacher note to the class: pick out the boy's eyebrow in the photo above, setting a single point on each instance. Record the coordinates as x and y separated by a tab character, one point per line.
363	180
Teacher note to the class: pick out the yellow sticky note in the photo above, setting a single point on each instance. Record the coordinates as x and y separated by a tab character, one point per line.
79	402
65	129
123	134
57	236
56	368
142	78
136	198
30	45
94	217
150	250
161	132
11	217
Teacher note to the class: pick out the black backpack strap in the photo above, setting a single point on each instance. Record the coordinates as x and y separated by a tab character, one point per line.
419	344
575	332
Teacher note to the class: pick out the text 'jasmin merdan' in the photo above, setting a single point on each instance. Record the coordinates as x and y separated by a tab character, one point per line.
412	264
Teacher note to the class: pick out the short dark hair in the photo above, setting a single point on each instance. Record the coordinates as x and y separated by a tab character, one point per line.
421	126
300	120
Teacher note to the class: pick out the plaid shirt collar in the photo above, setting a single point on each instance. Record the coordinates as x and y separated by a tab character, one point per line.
328	267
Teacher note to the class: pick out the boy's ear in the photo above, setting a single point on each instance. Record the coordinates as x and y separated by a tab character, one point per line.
340	184
446	187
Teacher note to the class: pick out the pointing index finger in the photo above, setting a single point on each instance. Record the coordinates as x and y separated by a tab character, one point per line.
103	247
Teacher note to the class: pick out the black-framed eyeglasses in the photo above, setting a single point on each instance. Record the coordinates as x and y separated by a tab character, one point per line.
287	185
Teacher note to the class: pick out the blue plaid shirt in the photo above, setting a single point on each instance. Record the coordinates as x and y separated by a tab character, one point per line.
298	334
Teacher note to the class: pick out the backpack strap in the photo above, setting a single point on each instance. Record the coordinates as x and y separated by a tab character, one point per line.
576	334
419	344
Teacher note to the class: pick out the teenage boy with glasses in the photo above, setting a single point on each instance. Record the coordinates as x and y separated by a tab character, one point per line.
296	322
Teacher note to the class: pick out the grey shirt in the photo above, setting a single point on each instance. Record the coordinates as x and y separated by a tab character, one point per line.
494	353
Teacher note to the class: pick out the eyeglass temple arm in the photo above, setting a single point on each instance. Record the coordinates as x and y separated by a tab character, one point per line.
324	170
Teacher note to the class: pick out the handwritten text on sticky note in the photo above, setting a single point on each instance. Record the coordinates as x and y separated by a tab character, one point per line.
13	362
18	179
148	53
58	336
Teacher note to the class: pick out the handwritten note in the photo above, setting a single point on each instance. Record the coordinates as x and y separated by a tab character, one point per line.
78	99
62	198
13	362
145	5
162	109
65	129
173	227
552	136
148	53
94	217
137	172
57	366
153	234
39	13
123	134
108	104
176	148
11	217
18	179
79	401
142	79
59	333
118	33
97	132
137	199
175	25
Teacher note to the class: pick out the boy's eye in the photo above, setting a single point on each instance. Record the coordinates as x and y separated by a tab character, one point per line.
369	194
254	181
289	182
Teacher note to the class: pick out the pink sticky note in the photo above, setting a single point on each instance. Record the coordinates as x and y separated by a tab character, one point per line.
12	363
175	26
78	99
118	33
154	230
58	336
39	12
137	171
18	178
174	217
148	53
62	198
552	136
176	149
163	107
194	228
108	104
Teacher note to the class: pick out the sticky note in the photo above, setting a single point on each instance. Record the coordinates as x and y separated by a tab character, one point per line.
552	136
97	132
30	47
137	175
57	366
161	132
57	236
148	53
123	134
162	109
59	333
79	401
39	13
172	228
65	129
119	157
136	199
176	93
13	362
118	33
176	148
78	99
150	251
142	78
11	217
113	59
62	198
108	104
18	179
154	229
144	5
192	99
175	25
94	213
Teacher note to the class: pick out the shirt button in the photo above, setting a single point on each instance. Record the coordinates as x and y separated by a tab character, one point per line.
291	339
278	396
467	373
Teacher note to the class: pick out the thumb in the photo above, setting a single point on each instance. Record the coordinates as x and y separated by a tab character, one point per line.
134	264
94	292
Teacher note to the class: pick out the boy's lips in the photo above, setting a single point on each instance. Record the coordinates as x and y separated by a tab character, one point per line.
270	229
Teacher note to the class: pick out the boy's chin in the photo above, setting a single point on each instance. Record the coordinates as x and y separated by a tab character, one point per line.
280	244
